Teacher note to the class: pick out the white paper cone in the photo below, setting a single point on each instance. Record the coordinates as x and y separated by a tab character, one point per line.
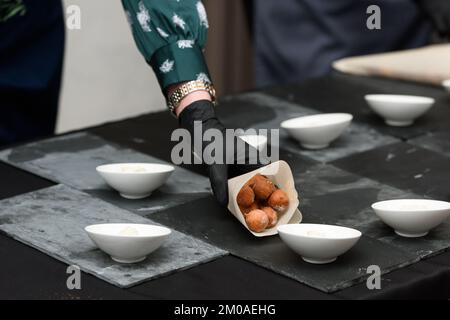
280	174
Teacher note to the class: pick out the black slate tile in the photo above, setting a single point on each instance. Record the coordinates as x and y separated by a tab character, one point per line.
427	280
345	93
335	196
404	166
72	159
206	220
151	133
437	240
52	220
235	112
298	163
357	138
437	141
148	134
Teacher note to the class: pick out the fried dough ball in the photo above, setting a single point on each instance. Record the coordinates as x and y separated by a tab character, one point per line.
279	200
263	189
272	215
257	220
256	178
252	207
245	197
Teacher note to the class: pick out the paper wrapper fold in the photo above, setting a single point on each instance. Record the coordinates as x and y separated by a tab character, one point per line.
279	173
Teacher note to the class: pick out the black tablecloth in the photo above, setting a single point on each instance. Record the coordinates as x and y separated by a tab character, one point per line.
28	273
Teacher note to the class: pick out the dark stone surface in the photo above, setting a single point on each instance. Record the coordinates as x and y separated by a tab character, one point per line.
437	141
72	159
235	112
404	166
230	277
151	133
336	196
357	138
425	280
52	220
206	220
437	240
351	197
298	163
328	195
344	93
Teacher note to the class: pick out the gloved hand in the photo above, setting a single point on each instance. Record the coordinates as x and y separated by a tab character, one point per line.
231	165
439	12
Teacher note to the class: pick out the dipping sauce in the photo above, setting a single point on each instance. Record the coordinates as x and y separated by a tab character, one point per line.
133	169
129	231
315	233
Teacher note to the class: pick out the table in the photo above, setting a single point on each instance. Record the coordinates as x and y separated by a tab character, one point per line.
27	273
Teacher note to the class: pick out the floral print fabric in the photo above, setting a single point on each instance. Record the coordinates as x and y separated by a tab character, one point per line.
171	35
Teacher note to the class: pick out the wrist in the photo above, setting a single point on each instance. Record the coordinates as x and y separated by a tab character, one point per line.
202	110
183	94
189	98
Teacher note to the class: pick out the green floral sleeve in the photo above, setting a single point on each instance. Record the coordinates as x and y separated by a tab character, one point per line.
171	35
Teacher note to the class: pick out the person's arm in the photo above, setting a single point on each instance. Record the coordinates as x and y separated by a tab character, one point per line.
188	99
171	36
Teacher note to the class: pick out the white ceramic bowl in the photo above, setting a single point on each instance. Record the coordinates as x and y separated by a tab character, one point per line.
127	242
446	85
399	110
318	243
412	218
135	180
317	131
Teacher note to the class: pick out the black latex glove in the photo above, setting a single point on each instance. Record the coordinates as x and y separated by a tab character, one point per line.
219	174
439	12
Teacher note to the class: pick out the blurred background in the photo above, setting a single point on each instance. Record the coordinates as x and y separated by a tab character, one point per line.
105	78
251	44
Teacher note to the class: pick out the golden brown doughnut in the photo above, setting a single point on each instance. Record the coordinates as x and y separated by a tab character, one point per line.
246	210
257	220
272	215
245	197
255	178
279	200
263	188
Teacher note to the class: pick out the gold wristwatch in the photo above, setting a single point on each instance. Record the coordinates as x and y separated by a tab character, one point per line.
182	91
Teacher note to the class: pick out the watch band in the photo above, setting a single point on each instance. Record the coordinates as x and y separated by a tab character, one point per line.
182	91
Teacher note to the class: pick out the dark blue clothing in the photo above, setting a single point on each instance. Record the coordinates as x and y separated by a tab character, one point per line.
299	39
31	58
